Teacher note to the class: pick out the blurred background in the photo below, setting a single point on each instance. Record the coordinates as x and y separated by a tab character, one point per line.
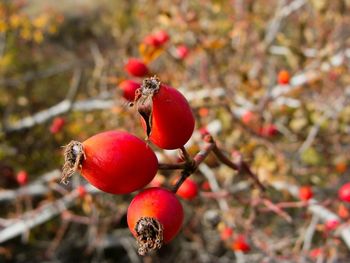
269	79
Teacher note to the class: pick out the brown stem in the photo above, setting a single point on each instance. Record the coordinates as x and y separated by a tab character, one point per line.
241	166
183	177
191	165
186	156
171	166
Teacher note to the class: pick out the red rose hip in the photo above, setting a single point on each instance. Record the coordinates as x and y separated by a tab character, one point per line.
344	193
113	161
283	77
167	117
154	217
136	67
129	88
22	177
188	189
305	193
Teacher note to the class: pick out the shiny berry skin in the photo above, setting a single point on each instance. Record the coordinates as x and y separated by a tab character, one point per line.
305	193
154	217
57	125
283	77
169	123
136	67
113	161
182	52
129	87
188	189
22	177
344	193
240	244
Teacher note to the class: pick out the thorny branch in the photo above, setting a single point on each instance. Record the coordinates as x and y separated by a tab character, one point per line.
190	165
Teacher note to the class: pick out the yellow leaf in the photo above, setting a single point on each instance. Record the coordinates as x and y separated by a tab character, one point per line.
149	53
38	36
3	26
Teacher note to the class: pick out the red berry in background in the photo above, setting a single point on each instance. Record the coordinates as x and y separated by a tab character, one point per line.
283	77
188	190
343	211
316	252
113	161
344	193
129	88
81	191
226	233
151	40
331	224
136	67
341	167
22	177
206	186
167	117
240	244
268	130
305	193
161	36
248	117
154	217
57	125
182	52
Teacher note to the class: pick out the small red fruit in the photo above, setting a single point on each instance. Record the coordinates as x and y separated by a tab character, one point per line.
154	217
283	77
206	186
226	233
188	190
136	67
81	191
151	40
341	167
248	117
305	193
129	88
316	252
114	161
167	117
268	130
182	52
57	125
22	177
343	211
240	244
162	37
344	193
332	224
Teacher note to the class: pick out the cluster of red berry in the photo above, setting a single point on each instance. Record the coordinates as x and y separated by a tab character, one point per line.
118	162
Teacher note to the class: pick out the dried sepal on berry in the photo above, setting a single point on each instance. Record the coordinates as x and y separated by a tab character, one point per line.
74	155
149	235
149	88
